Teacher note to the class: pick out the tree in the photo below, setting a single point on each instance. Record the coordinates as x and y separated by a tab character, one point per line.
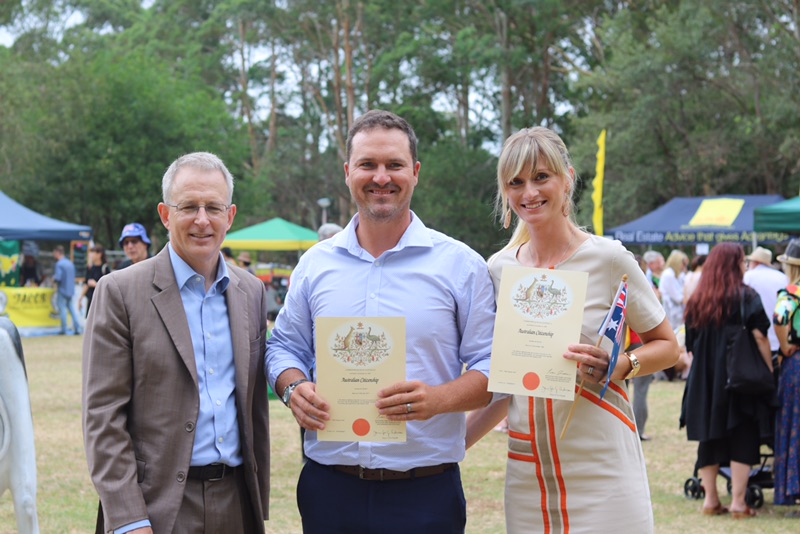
112	123
695	99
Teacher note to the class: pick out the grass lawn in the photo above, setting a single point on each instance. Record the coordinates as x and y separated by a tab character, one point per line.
67	502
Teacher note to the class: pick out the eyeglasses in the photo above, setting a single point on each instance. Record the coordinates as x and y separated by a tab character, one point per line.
213	210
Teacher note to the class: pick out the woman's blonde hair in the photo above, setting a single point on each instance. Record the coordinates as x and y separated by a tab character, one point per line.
792	273
677	260
528	149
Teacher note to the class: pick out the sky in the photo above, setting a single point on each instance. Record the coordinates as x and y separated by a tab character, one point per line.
5	38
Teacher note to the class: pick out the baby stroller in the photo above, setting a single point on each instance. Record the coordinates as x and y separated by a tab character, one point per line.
760	479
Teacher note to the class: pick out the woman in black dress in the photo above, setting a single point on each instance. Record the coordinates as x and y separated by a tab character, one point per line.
96	269
729	426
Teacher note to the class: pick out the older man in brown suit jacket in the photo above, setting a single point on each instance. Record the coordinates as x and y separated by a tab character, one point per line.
175	407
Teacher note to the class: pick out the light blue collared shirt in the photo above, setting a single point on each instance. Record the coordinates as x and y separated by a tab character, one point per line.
441	287
217	430
64	276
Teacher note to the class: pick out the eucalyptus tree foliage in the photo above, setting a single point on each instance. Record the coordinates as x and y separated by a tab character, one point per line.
699	98
447	171
9	11
107	125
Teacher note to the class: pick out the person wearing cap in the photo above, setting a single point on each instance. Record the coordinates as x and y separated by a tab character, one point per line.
767	282
787	427
135	243
245	261
175	400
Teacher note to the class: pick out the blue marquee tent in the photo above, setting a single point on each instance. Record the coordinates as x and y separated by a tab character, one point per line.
19	223
693	220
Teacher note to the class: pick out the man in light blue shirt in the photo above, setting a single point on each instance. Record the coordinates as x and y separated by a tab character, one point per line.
64	277
386	263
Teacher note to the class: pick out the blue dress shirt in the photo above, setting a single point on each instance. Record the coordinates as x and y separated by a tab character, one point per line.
217	430
442	288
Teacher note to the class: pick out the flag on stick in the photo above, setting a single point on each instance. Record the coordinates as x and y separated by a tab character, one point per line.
613	327
597	194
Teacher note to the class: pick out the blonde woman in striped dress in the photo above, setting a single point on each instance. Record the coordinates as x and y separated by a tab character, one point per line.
594	479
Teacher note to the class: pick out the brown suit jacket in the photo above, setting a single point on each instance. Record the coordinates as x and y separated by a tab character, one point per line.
140	397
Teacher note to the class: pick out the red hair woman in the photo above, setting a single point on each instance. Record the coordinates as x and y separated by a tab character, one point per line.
728	425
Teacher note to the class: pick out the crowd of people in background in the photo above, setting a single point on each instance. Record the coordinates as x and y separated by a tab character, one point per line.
703	298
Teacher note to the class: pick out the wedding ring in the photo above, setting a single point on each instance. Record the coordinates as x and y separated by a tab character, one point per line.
408	407
590	372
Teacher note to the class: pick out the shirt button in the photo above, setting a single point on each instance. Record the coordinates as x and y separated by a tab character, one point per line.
208	336
219	402
377	264
372	295
197	279
220	440
189	426
211	370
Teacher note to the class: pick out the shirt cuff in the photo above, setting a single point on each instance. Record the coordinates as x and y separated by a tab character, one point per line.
133	526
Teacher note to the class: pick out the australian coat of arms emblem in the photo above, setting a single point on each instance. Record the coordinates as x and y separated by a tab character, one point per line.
543	297
360	344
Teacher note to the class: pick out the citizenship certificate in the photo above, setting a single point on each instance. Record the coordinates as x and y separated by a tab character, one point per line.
539	313
357	357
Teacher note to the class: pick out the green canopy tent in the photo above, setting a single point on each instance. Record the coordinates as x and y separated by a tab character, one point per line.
274	234
779	217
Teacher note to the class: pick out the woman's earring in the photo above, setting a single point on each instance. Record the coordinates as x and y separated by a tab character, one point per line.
507	219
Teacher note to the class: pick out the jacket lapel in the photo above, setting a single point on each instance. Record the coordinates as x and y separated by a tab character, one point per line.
238	314
169	305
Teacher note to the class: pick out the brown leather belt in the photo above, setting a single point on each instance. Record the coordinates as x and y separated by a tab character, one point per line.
210	472
365	473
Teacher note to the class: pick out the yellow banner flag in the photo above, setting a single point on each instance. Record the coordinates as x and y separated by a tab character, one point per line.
597	194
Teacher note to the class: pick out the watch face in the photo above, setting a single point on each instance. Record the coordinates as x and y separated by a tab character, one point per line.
287	393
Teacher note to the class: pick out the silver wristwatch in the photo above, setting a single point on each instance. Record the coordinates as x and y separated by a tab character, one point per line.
287	393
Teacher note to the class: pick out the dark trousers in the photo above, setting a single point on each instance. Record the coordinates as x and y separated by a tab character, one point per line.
331	502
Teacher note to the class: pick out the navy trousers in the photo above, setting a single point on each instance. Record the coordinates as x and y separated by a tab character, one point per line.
331	502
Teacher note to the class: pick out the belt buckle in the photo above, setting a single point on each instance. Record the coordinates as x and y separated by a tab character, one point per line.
364	473
221	476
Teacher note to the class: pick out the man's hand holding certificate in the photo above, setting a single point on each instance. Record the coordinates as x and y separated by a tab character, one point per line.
539	313
357	357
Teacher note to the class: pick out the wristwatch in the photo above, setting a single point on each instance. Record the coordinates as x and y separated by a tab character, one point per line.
635	365
287	393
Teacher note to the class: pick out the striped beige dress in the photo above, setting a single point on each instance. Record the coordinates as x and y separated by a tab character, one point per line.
594	480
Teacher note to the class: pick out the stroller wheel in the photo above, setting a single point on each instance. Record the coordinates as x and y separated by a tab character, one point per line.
754	497
692	489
